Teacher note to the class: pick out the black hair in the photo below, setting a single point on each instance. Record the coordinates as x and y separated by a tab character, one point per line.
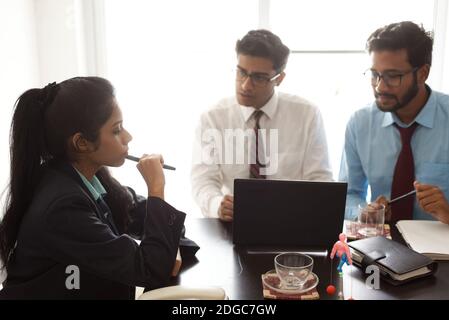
43	122
264	44
404	35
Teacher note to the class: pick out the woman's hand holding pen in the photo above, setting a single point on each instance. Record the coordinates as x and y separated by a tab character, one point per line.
150	167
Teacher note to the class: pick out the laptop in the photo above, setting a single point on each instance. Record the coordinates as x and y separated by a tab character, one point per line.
281	214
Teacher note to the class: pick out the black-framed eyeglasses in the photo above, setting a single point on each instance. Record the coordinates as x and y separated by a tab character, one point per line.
390	78
258	80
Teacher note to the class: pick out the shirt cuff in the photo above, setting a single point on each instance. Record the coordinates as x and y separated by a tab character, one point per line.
214	205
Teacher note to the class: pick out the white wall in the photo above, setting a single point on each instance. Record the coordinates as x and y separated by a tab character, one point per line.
18	67
60	38
444	47
439	73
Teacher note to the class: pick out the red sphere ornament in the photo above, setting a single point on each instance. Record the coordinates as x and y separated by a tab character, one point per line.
330	290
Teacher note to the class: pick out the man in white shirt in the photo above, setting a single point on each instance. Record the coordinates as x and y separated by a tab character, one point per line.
258	133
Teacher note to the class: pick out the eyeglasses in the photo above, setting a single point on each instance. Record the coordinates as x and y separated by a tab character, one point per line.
258	80
390	78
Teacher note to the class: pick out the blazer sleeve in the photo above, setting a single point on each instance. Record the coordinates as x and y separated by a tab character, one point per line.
76	236
137	215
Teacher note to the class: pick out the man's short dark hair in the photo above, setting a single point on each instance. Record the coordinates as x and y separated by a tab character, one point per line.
264	44
404	35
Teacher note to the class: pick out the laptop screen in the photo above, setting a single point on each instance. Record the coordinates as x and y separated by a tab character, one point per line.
288	213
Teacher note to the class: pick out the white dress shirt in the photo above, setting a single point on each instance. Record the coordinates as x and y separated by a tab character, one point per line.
294	142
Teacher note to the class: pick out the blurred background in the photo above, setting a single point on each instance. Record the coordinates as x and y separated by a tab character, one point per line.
170	60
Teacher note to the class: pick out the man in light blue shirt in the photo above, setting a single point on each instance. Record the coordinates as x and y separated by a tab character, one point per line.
401	56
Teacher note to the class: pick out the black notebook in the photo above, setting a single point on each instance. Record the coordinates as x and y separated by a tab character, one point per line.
397	263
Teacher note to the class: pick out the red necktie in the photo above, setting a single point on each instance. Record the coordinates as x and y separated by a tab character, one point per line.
254	169
404	175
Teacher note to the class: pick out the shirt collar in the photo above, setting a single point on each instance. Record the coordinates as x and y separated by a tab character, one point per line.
95	187
269	108
425	117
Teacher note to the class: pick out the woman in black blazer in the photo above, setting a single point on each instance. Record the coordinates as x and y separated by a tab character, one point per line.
68	229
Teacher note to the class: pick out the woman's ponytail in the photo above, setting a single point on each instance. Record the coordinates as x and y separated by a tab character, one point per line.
28	155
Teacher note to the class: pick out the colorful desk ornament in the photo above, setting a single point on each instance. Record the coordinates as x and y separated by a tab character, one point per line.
341	250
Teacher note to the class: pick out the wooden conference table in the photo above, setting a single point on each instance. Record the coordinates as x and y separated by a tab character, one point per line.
238	272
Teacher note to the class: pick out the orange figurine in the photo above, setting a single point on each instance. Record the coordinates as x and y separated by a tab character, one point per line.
341	248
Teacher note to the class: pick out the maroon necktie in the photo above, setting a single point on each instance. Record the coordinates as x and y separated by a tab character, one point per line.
404	175
254	169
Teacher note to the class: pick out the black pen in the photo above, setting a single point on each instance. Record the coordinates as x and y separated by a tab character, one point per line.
132	158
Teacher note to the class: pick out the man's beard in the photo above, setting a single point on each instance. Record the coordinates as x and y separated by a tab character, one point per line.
409	96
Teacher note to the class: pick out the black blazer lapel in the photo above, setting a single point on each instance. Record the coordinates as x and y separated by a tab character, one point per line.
101	207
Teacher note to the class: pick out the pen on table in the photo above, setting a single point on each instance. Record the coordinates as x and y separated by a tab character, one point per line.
136	159
403	196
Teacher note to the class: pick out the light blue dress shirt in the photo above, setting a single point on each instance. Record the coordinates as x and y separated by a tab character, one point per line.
372	146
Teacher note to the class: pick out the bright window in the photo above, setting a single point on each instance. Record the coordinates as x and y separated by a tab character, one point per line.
342	24
328	56
171	60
